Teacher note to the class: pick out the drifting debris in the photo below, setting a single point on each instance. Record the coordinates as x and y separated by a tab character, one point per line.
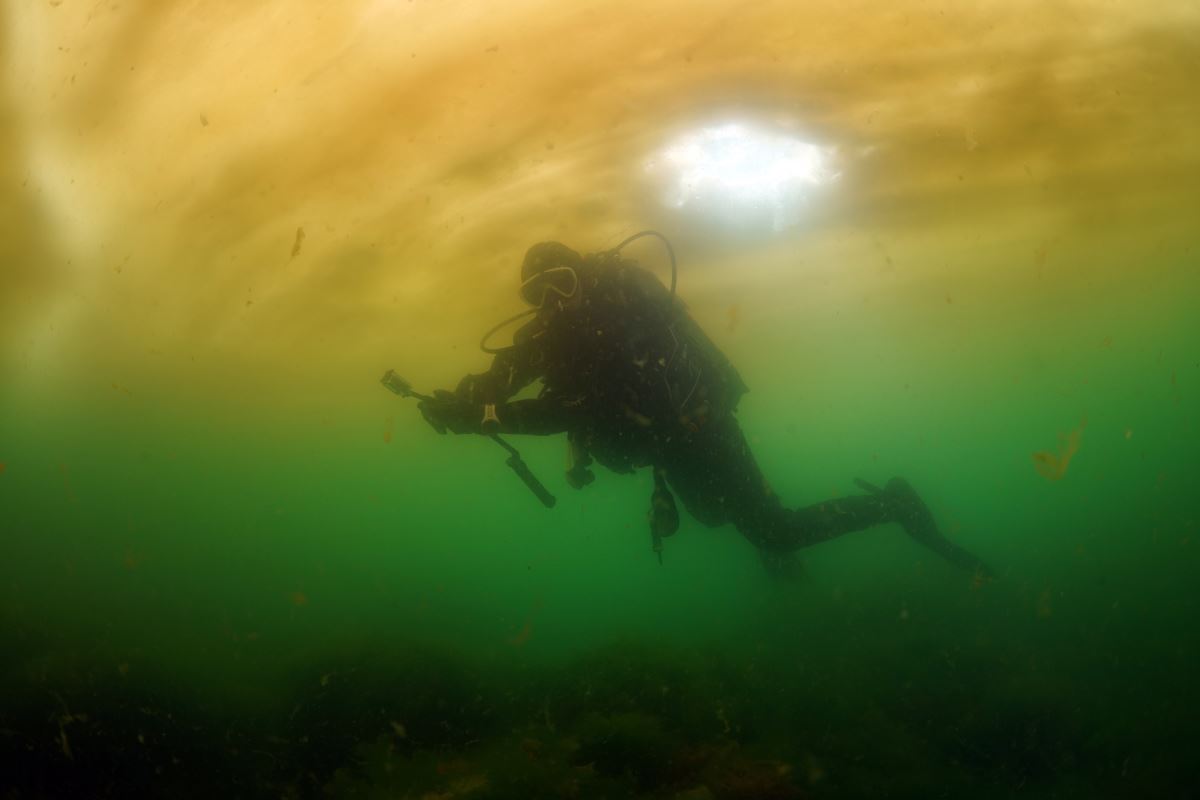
66	480
1053	466
522	635
298	242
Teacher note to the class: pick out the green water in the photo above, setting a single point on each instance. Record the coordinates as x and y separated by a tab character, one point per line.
231	598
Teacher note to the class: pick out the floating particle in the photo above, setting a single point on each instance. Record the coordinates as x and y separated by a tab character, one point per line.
66	479
735	317
387	437
813	770
296	245
468	784
1045	607
3	466
1129	433
1106	343
299	599
522	635
203	121
1039	255
397	728
63	741
1053	466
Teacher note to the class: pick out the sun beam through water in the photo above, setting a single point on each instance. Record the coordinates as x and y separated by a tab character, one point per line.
737	172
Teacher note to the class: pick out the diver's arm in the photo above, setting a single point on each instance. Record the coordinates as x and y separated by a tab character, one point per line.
540	417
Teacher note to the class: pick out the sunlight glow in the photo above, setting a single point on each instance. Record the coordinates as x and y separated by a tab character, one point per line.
733	169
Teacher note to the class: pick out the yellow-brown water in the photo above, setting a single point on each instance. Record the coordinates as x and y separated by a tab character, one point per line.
220	537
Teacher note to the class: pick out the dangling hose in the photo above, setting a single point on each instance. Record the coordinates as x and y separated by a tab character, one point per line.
497	350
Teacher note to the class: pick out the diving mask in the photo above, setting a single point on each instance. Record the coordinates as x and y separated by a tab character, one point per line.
561	281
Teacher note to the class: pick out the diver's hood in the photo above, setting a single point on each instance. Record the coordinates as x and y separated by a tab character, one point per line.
550	269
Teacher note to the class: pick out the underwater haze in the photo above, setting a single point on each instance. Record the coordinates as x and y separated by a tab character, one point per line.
954	242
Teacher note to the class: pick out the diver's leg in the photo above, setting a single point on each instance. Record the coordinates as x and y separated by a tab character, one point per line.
899	502
719	481
715	475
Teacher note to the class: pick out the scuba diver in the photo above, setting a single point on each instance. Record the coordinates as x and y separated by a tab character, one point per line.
634	382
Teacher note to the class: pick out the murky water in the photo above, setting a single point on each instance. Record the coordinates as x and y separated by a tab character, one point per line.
952	243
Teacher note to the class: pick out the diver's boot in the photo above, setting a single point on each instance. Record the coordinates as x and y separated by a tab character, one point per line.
917	520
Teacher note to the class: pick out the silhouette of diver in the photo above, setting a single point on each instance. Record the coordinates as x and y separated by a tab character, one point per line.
634	382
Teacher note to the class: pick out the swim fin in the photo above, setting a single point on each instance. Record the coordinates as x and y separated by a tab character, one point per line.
907	508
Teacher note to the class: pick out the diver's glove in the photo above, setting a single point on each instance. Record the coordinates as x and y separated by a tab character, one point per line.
446	411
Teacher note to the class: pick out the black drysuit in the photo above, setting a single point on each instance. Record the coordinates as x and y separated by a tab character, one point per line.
635	382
